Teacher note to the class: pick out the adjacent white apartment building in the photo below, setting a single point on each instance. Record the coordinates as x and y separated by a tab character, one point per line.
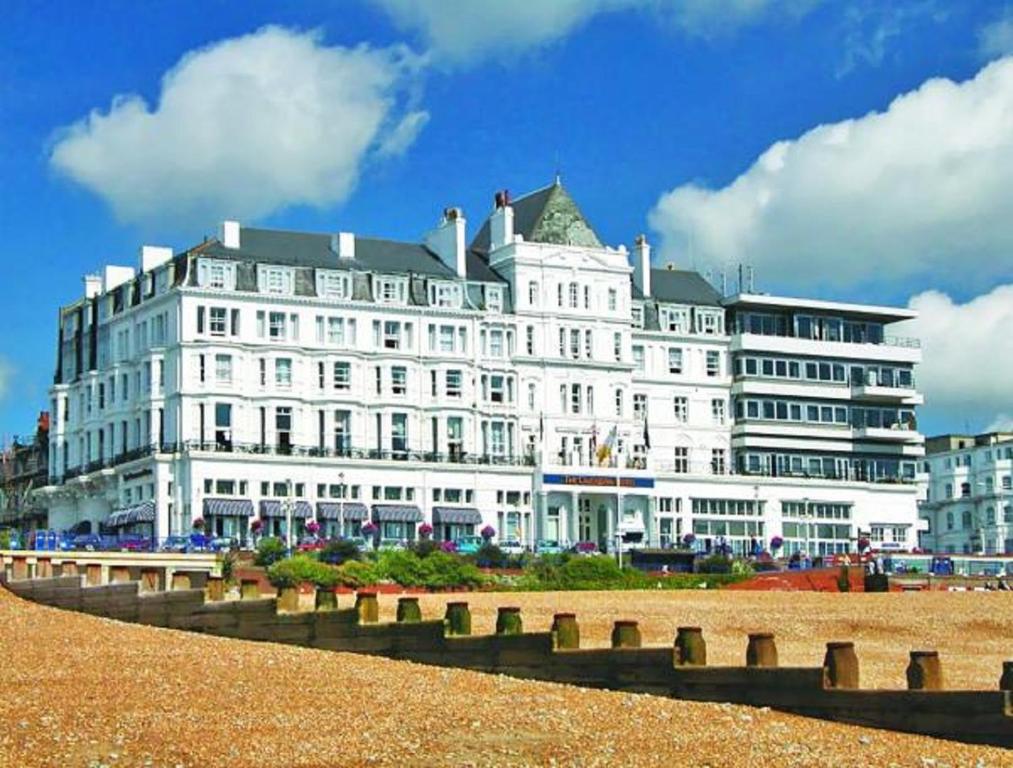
968	494
532	379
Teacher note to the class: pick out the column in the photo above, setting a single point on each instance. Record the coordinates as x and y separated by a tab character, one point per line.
541	511
613	521
650	521
572	521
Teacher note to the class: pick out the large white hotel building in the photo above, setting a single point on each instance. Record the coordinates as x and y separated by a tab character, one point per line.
534	380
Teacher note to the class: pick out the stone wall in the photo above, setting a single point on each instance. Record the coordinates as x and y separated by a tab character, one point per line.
830	692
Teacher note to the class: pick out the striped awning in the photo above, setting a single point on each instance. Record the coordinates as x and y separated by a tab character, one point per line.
273	508
456	516
228	507
397	513
333	510
139	513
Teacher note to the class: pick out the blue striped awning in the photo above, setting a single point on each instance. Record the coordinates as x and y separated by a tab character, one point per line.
456	516
273	508
228	507
397	513
139	513
333	510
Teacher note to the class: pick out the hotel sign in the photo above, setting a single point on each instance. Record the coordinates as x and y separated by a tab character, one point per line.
599	481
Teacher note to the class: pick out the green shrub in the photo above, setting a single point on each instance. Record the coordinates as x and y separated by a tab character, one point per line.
5	539
425	547
742	568
339	551
490	556
437	570
269	551
714	564
356	573
403	567
299	569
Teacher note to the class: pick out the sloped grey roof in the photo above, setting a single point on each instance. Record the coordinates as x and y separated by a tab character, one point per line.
531	222
478	269
306	249
681	286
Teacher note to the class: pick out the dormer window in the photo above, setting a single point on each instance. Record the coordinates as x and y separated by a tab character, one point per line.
391	290
445	295
494	298
333	285
709	322
278	280
217	275
675	320
638	317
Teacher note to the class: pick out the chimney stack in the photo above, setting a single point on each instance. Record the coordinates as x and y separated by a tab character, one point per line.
229	234
153	256
447	241
642	264
92	286
343	244
501	223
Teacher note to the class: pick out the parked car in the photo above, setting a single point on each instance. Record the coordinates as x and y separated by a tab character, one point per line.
222	544
468	545
310	544
548	547
176	544
512	547
135	543
89	542
199	543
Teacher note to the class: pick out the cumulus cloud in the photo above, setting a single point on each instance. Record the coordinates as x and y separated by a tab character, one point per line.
464	30
967	350
246	126
996	38
1002	423
922	189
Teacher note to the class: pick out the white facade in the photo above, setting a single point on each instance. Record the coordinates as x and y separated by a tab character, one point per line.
968	495
534	381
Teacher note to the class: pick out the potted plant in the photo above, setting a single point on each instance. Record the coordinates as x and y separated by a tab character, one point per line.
863	544
312	527
688	540
425	530
198	524
488	532
776	543
586	547
256	526
449	546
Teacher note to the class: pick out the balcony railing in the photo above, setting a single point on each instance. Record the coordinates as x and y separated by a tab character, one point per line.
361	454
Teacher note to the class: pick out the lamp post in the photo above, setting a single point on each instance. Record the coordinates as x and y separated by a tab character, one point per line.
341	505
805	522
288	504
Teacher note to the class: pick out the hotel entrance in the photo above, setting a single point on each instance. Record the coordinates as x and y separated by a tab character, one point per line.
607	511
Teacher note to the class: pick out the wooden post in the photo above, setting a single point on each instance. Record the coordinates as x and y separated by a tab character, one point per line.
840	666
508	621
44	568
93	574
458	619
180	580
150	580
565	631
924	671
69	568
1006	681
625	634
249	589
690	647
20	568
215	589
408	611
367	606
761	651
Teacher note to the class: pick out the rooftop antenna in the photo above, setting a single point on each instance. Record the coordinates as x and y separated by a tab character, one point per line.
724	282
740	278
559	173
751	286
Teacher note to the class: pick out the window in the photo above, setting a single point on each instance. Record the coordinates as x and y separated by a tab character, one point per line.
496	343
575	398
391	335
617	345
708	322
497	389
574	295
454	383
223	369
674	360
262	364
276	326
965	489
390	290
529	339
283	372
638	358
219	321
398	380
639	406
445	295
681	460
718	411
399	432
341	376
494	298
446	338
638	317
619	403
587	297
718	461
283	429
333	285
674	320
713	363
574	343
275	279
588	344
531	396
681	407
532	294
613	299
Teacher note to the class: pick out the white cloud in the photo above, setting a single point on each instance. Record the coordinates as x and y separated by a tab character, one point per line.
464	30
1002	423
967	349
247	126
996	39
922	189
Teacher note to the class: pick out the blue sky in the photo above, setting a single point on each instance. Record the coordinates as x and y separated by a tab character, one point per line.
663	117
